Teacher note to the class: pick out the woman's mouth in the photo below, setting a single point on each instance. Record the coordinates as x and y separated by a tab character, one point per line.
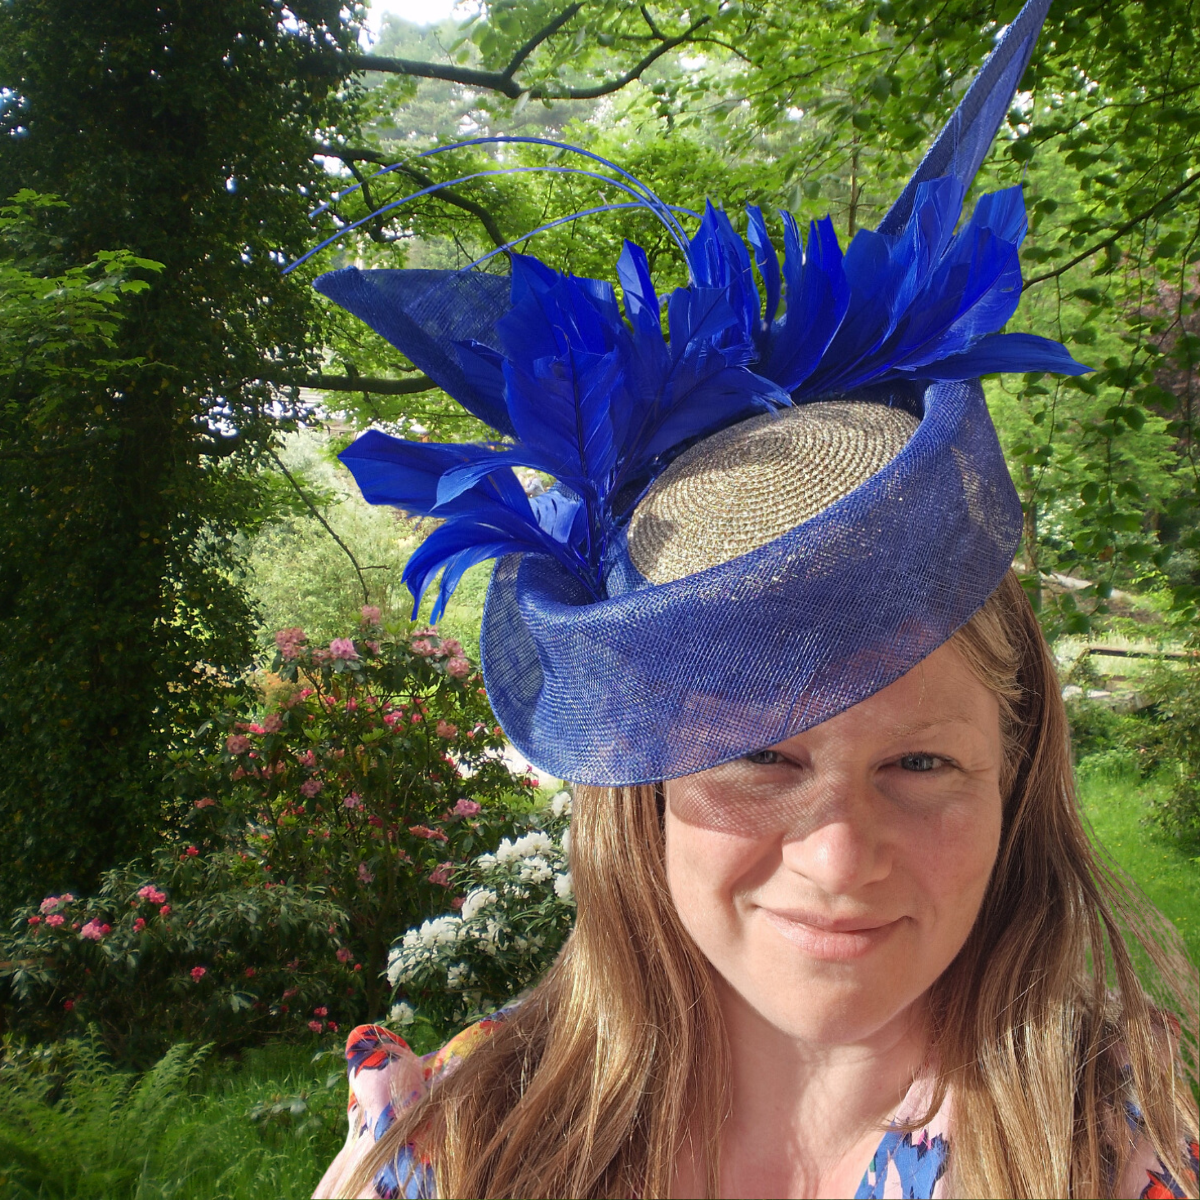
830	939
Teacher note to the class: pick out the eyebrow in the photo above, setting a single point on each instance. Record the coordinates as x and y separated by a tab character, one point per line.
921	726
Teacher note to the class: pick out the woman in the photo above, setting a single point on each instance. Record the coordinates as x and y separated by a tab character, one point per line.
837	913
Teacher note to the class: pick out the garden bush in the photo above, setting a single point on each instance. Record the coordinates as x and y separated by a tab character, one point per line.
308	833
496	941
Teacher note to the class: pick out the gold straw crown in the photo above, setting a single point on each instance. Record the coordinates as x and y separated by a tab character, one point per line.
749	484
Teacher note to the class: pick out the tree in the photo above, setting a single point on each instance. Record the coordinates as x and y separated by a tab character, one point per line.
181	135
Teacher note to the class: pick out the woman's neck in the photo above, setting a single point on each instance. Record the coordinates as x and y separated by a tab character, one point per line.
806	1117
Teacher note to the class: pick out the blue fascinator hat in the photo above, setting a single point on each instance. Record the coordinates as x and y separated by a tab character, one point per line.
770	502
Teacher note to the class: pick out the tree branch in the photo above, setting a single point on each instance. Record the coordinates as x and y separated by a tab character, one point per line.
449	195
538	38
497	81
312	508
352	383
1119	232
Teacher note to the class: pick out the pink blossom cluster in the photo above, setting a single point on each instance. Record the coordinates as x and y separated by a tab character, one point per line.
198	973
446	729
52	902
370	614
310	787
94	930
467	808
342	648
152	894
441	874
423	831
291	642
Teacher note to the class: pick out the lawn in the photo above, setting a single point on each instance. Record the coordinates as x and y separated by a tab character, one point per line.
1167	874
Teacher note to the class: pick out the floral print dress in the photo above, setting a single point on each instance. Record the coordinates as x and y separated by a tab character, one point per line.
386	1077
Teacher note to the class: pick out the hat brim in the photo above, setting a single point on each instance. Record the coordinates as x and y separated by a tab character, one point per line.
664	680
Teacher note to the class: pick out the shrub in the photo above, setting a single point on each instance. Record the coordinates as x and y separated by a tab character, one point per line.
372	773
309	830
508	929
1176	706
188	946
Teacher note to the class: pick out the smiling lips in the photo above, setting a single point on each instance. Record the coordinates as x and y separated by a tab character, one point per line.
823	938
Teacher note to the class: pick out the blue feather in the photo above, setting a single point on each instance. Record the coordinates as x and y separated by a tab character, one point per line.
767	260
818	295
1005	352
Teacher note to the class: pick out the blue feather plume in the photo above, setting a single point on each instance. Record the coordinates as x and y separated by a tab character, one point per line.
601	397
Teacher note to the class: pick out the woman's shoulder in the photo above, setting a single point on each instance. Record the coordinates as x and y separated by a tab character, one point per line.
386	1078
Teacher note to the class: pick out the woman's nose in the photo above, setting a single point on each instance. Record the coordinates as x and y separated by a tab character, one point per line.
842	845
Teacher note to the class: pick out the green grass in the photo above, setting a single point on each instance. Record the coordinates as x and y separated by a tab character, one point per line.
1168	874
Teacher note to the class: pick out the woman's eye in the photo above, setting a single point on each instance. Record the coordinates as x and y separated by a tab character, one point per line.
919	762
764	758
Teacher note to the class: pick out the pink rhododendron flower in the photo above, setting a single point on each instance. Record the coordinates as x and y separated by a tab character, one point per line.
376	821
198	973
289	641
451	647
315	1026
352	705
354	800
68	1005
364	874
237	743
94	930
457	902
467	808
49	904
391	718
66	898
151	893
35	920
205	802
250	972
192	851
344	955
370	614
139	925
342	648
55	919
374	648
447	729
423	831
422	647
458	667
358	966
272	723
165	911
332	1027
310	787
441	875
322	1011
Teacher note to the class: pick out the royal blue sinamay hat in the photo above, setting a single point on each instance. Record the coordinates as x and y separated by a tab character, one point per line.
599	674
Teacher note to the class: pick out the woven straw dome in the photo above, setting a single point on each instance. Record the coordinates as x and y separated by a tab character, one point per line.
747	485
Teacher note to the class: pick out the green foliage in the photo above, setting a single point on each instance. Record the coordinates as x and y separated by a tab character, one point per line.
1176	705
188	946
191	1128
297	574
132	431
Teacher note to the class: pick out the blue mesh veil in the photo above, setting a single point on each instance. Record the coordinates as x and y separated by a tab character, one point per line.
596	673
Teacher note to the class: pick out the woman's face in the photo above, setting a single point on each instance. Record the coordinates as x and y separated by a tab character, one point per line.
830	879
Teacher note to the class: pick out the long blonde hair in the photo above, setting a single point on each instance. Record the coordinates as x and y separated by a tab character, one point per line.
617	1062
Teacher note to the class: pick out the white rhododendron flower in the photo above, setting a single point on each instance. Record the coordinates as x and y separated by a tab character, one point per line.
402	1014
